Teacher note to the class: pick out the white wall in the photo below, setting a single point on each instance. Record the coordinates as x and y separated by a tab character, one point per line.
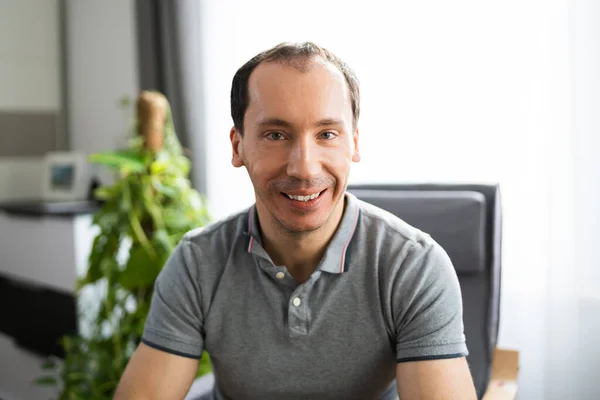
102	68
29	55
585	42
586	56
451	92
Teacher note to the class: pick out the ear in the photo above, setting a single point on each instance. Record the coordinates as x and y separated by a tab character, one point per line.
355	153
236	148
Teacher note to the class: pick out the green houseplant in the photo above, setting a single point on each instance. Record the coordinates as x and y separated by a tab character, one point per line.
142	217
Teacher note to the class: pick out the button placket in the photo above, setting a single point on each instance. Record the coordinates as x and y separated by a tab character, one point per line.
278	274
281	276
298	310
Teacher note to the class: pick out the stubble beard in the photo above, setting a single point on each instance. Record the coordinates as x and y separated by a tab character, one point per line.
288	184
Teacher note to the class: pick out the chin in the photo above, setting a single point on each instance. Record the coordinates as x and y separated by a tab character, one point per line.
295	226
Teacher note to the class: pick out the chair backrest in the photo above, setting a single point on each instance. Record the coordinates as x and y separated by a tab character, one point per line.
466	220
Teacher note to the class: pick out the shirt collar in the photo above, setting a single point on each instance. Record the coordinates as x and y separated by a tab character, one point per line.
334	259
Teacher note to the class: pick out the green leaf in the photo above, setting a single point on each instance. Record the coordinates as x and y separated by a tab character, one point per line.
141	313
163	189
108	221
159	166
119	160
94	272
151	205
204	367
109	267
175	218
103	251
140	235
46	380
48	364
162	239
125	200
75	377
141	269
103	193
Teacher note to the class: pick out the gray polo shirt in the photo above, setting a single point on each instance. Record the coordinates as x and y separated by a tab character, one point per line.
383	293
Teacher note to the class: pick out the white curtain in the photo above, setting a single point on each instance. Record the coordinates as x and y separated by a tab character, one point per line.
461	91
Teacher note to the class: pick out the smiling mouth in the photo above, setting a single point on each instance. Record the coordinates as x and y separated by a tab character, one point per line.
304	198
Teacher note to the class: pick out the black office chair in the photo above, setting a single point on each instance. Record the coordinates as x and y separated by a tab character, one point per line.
466	220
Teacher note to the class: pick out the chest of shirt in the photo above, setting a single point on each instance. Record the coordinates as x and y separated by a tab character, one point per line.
326	337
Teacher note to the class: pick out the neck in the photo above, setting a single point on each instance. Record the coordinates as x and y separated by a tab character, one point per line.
300	252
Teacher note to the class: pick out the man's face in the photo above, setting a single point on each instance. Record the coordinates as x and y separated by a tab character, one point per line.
298	143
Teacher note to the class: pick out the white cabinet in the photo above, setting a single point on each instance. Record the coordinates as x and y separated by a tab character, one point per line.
46	252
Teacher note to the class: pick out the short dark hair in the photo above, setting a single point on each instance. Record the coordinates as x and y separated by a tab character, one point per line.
288	53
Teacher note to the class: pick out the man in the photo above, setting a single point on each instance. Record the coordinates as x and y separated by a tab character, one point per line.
310	293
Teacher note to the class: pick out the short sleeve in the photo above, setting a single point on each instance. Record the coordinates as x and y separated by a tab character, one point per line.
427	306
175	323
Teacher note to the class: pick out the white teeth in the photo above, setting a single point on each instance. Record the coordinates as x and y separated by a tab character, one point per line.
304	198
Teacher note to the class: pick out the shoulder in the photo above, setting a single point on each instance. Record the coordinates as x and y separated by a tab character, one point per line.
220	232
201	256
211	245
398	246
382	225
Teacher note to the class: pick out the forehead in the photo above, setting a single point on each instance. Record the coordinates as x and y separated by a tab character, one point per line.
316	90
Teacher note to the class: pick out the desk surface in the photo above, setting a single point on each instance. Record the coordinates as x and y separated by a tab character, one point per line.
50	208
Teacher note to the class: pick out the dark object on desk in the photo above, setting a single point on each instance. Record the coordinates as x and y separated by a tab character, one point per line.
466	221
50	208
36	317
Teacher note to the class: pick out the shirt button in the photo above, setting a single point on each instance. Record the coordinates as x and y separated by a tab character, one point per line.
280	275
297	301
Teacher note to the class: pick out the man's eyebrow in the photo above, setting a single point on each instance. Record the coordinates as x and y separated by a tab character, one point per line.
329	122
284	124
274	122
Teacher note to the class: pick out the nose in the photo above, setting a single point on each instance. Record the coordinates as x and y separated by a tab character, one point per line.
303	162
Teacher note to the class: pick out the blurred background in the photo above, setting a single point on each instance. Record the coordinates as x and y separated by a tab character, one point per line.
452	92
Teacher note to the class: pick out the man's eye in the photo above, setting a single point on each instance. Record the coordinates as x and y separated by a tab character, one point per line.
275	136
327	135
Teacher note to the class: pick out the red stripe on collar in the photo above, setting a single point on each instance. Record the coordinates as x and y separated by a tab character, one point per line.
342	262
250	229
